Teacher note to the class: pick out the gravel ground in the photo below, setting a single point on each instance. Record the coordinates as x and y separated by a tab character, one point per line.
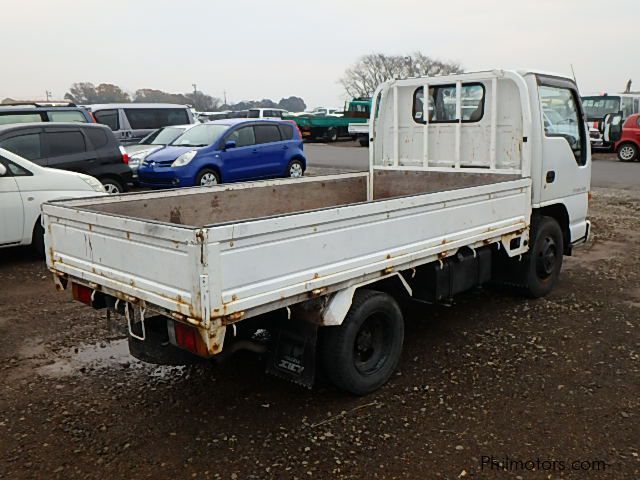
556	379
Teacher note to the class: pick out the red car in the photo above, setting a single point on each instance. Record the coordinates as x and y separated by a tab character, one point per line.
628	147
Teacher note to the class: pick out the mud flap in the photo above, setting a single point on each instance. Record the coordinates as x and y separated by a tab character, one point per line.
293	356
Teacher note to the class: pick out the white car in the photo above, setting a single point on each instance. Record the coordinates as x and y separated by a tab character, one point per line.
24	187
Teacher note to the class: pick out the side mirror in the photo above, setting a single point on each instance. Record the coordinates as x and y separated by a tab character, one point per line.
3	170
230	144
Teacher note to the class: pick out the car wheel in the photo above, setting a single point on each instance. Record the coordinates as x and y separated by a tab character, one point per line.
364	141
207	178
295	169
37	240
332	134
627	152
112	186
544	261
360	355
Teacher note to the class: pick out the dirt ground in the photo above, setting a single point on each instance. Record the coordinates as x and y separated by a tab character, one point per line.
550	382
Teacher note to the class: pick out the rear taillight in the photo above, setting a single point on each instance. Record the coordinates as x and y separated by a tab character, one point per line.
81	293
93	117
125	155
188	338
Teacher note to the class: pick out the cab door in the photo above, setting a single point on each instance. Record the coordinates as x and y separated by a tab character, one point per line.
566	169
11	208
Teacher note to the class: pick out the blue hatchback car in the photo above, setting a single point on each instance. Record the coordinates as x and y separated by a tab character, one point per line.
228	150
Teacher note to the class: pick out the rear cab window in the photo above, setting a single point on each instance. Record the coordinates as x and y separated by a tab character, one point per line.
267	133
442	103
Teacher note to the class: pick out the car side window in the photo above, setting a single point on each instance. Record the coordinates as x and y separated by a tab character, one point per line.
286	132
20	117
267	133
65	143
14	170
562	118
108	118
27	145
66	116
243	137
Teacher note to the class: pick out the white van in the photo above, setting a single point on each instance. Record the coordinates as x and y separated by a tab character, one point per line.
24	187
267	113
131	122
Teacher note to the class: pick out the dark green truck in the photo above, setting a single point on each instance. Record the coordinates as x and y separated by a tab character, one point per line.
332	127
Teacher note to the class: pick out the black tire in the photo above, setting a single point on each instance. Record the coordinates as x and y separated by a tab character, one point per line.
332	134
364	142
360	355
295	169
37	240
628	152
112	185
207	173
543	263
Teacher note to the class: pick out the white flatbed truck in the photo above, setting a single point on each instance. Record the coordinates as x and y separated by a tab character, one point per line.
469	187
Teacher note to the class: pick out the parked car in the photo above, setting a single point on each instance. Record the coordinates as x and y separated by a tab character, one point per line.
24	112
24	186
155	140
628	147
267	113
80	147
226	151
131	122
596	107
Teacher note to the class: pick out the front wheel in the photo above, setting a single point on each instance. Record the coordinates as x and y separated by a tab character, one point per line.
627	152
360	355
544	261
332	134
207	178
295	169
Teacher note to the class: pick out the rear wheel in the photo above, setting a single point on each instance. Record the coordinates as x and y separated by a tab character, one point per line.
207	177
295	169
112	186
360	355
544	261
364	141
332	134
627	152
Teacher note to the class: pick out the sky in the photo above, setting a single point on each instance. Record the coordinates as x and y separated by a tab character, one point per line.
254	49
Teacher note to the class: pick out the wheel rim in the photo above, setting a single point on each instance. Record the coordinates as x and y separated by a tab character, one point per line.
208	179
627	152
111	188
295	170
547	258
369	350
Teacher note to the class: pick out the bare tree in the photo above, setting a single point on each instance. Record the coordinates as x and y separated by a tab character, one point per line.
362	78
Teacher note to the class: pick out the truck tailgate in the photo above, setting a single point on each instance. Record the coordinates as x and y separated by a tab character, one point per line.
155	262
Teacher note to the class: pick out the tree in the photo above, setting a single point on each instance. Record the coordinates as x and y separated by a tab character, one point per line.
202	102
8	100
362	78
87	93
292	104
150	95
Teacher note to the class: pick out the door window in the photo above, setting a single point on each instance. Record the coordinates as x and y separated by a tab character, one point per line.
243	137
286	132
561	118
267	133
20	117
108	118
66	116
152	118
27	146
65	143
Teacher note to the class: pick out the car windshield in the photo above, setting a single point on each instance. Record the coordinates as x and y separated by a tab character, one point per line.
200	135
597	107
163	136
